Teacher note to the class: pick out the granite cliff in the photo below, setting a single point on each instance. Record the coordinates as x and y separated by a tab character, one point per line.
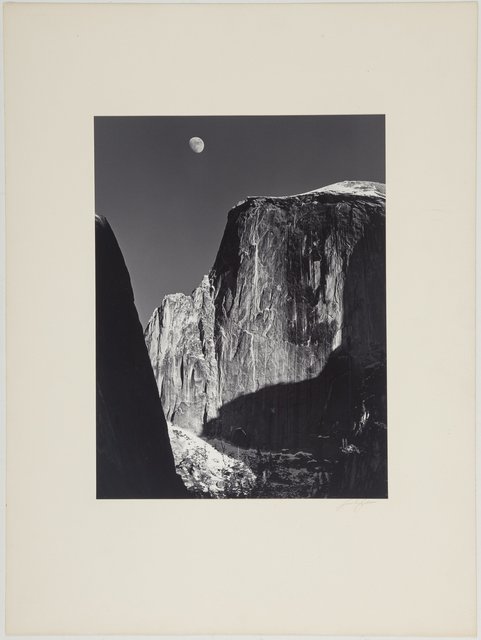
283	343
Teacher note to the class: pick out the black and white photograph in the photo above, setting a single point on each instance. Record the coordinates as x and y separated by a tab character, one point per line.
240	319
240	269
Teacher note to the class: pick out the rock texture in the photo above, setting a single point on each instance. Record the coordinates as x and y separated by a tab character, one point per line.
180	342
208	472
283	344
134	456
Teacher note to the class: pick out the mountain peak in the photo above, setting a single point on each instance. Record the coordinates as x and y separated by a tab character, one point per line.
355	188
349	188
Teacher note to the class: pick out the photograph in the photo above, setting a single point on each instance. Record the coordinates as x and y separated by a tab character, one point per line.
221	354
241	307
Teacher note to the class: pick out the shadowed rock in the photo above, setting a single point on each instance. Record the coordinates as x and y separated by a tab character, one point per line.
134	456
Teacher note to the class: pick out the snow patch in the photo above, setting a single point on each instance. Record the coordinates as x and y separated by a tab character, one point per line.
354	188
359	188
206	471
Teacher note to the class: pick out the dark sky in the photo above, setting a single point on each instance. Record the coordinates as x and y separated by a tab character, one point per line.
168	205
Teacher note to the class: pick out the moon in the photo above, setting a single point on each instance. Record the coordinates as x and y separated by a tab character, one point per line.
196	144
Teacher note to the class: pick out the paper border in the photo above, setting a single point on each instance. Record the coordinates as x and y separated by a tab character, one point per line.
405	566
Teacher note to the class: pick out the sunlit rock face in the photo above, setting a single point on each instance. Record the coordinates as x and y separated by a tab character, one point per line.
279	281
281	298
180	342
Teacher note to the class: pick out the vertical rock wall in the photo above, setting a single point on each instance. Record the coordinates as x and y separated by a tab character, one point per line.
180	342
134	456
280	299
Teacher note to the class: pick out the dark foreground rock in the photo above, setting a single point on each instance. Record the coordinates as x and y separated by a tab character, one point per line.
134	456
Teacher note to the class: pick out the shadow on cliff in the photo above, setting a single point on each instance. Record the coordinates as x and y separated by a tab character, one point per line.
340	415
134	456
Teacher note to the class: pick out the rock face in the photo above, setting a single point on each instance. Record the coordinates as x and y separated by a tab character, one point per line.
283	345
134	456
180	342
